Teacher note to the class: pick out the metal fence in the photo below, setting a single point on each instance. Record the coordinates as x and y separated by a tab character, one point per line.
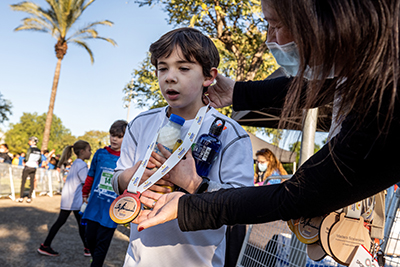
274	245
48	182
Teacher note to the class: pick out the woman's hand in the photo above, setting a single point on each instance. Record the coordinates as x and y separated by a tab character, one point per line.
164	210
221	93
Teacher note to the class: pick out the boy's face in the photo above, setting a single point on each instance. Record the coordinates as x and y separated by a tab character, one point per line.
181	83
115	142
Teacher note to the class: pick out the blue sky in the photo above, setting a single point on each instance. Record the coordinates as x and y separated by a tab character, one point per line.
89	97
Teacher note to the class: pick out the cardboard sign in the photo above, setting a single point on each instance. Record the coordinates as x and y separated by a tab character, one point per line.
363	258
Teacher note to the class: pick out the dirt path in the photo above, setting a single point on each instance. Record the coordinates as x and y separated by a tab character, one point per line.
24	226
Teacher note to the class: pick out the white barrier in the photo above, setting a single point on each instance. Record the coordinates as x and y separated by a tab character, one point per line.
48	182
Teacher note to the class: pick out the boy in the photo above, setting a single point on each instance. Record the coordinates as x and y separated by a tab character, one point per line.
32	161
186	63
100	228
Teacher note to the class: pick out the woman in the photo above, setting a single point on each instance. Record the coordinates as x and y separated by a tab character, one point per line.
359	40
267	165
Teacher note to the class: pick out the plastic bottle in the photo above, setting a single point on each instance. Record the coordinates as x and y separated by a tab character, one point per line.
82	210
207	147
170	133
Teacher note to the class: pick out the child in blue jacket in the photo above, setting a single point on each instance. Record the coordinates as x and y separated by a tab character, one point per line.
100	228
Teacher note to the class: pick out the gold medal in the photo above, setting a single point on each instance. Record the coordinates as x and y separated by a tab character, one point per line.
125	208
307	230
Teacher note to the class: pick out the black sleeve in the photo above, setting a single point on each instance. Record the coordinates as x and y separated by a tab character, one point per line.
270	93
255	95
357	163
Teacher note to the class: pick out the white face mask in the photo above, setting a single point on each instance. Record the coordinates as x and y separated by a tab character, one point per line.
287	56
262	166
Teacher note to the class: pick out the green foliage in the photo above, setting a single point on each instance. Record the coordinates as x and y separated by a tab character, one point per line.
96	139
5	108
296	146
32	124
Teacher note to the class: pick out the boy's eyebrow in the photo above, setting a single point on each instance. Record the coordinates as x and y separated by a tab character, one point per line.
179	62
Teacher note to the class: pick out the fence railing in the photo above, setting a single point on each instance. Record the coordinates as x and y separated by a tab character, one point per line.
48	182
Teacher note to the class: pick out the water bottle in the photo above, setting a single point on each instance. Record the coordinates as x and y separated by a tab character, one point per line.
81	211
170	134
207	147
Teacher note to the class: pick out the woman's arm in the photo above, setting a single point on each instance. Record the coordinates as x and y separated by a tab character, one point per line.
338	175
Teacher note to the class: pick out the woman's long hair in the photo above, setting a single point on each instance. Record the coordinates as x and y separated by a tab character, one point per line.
358	38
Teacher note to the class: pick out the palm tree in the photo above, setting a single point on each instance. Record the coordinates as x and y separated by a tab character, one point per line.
57	20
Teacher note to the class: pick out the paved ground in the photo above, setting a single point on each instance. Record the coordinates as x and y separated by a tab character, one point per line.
24	226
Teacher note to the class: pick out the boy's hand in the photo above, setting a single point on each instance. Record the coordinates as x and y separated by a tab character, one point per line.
184	173
221	93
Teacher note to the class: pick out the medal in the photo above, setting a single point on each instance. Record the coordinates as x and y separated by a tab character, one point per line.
324	229
315	251
307	229
127	206
345	236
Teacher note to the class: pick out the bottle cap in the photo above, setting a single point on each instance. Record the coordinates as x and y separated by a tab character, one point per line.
177	119
217	126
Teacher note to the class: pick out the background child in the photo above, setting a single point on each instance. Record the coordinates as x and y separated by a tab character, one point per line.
99	226
186	62
71	197
32	161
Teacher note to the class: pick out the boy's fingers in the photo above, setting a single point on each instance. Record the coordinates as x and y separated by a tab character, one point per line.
157	157
165	152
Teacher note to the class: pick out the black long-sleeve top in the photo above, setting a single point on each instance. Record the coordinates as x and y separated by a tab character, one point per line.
358	162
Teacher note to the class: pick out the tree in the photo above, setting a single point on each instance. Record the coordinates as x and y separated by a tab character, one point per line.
296	146
57	20
32	124
96	139
5	108
237	29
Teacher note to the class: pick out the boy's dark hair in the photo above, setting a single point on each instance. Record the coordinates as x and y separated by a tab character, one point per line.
194	45
118	128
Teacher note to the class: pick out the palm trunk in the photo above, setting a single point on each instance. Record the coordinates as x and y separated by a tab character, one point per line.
49	118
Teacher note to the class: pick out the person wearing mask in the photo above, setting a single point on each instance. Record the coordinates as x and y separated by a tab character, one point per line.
267	165
357	41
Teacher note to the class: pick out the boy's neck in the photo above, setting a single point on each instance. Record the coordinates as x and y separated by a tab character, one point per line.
188	113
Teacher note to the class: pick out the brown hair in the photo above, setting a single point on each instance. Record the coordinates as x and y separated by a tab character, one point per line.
67	152
273	163
360	39
118	128
194	46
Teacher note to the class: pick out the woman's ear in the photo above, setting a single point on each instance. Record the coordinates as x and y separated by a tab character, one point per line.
209	80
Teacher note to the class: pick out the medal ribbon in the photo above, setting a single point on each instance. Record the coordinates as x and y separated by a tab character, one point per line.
171	161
